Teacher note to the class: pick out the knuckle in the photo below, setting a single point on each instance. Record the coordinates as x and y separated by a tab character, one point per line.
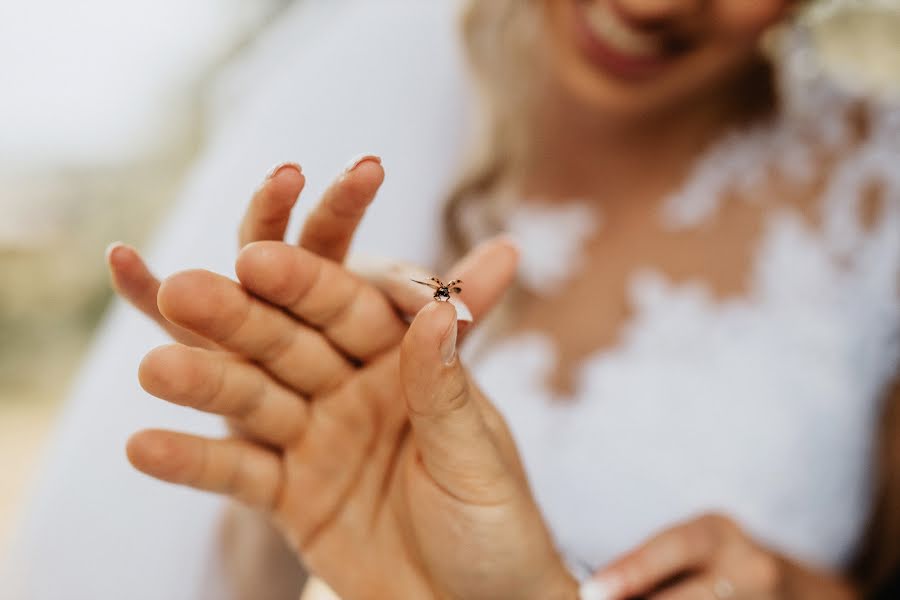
232	320
206	380
358	419
266	269
276	280
355	297
452	396
249	403
448	396
275	348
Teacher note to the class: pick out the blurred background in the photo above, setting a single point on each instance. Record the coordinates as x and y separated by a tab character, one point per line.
101	112
102	108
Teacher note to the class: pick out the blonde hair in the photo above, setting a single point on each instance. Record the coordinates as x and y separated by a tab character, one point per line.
499	40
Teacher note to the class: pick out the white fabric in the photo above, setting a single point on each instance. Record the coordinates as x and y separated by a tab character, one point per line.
764	407
761	407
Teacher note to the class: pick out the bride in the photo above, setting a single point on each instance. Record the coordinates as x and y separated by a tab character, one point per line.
694	364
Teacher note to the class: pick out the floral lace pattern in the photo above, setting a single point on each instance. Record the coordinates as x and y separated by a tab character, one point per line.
762	406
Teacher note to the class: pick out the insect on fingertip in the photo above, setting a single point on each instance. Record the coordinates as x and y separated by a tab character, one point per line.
442	291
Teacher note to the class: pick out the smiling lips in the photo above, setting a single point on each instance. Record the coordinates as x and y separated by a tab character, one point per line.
612	44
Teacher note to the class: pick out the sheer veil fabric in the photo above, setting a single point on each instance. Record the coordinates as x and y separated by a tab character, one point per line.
328	81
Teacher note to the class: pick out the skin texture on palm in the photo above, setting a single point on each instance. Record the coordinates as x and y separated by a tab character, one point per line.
432	504
354	440
348	437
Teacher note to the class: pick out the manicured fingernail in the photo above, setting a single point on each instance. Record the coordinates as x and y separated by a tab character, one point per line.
448	344
602	588
462	311
358	160
281	167
111	249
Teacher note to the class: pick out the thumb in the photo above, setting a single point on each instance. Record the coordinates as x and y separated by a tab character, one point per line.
453	440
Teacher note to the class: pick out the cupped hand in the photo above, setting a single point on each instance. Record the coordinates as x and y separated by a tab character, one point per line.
711	557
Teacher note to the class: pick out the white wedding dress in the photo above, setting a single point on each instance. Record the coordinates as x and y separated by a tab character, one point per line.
763	407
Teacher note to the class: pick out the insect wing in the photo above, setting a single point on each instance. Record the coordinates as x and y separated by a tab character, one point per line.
428	283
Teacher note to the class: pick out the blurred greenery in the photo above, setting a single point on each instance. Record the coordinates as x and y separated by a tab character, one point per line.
55	286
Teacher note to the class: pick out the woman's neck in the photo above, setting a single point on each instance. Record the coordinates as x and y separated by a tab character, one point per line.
605	159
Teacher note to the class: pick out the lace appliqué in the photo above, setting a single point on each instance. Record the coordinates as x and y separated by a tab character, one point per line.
762	406
550	240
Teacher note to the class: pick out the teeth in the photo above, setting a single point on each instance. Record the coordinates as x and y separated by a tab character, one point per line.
610	29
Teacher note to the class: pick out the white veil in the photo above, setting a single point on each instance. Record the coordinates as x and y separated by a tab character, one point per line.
327	81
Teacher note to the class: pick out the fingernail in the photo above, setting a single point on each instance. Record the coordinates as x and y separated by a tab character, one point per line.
358	160
602	588
448	344
462	311
281	167
112	248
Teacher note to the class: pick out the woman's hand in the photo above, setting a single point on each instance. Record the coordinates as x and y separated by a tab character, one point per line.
389	472
327	231
255	558
711	558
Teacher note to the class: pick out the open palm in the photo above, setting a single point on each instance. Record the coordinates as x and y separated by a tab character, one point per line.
389	473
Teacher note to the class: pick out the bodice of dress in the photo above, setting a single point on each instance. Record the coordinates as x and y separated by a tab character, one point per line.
763	407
